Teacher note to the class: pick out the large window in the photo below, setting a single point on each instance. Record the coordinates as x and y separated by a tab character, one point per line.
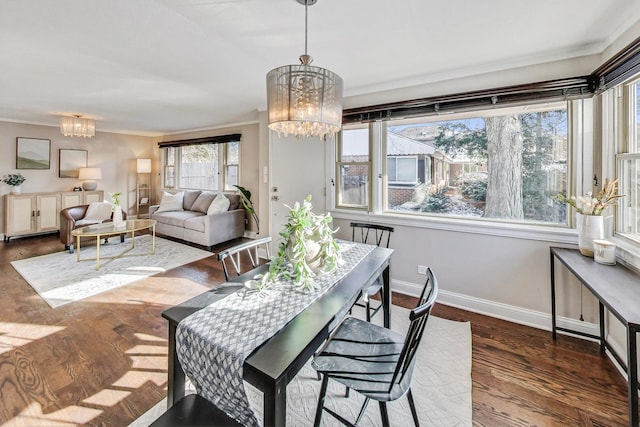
502	164
629	162
206	166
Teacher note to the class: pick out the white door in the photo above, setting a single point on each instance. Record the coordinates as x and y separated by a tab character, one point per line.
297	170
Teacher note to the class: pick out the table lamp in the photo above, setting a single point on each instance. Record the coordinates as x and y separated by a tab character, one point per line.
88	176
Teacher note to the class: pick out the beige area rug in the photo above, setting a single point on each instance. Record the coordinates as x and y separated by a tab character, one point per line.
441	384
60	279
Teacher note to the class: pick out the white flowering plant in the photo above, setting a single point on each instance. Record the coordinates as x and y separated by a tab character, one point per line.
590	205
13	179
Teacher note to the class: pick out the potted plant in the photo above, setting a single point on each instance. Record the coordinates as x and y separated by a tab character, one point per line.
589	214
245	199
307	247
117	210
14	180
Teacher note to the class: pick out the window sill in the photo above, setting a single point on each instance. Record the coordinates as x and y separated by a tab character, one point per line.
553	234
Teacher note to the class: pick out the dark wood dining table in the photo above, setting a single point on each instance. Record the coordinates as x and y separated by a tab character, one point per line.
271	366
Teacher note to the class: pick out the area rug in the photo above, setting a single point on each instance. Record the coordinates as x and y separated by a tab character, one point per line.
441	384
60	279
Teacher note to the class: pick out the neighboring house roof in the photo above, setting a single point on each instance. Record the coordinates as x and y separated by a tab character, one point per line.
398	145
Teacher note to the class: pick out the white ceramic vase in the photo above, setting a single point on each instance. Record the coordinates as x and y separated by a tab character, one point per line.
590	228
117	216
15	189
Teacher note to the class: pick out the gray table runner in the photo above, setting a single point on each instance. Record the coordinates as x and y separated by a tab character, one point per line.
213	343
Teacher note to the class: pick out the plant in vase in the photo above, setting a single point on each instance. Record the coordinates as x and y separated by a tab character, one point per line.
307	248
117	210
245	199
589	214
14	180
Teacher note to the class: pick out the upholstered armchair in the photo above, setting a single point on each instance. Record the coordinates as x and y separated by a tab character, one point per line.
72	218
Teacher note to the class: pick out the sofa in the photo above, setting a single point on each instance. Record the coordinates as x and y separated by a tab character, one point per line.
194	221
79	216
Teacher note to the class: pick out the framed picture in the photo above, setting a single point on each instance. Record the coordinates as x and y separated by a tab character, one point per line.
144	200
71	161
33	153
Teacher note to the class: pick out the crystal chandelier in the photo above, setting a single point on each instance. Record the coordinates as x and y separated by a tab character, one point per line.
304	100
77	126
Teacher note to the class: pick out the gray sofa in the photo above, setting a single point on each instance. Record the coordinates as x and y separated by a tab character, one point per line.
194	225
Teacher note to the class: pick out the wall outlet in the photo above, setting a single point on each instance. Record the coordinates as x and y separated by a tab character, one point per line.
422	269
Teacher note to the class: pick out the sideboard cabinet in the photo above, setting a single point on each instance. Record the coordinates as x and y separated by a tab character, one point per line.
35	213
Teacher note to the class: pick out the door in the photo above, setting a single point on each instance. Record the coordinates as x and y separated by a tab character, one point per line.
297	170
47	212
20	215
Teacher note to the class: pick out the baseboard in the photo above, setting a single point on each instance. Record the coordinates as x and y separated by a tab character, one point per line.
523	316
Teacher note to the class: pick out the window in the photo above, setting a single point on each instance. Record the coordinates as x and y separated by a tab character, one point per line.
353	169
504	164
204	164
629	164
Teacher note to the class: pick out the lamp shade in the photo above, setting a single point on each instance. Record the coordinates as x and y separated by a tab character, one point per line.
304	100
143	166
90	173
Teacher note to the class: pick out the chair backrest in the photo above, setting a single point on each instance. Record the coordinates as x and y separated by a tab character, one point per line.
418	317
371	233
234	253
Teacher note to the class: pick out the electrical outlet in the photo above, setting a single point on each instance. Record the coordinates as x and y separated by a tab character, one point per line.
422	269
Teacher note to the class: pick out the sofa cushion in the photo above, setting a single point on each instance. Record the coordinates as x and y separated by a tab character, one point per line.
203	201
234	201
97	212
219	204
176	218
190	196
195	224
171	202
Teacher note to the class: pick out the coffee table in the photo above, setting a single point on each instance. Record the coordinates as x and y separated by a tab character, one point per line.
105	230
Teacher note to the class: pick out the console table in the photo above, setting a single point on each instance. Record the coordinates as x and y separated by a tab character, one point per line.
616	288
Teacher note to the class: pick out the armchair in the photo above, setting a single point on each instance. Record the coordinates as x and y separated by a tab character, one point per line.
70	219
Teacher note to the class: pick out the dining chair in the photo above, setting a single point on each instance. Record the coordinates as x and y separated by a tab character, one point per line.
378	235
249	250
375	361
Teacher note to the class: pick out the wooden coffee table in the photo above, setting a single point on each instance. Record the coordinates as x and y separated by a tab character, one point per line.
105	230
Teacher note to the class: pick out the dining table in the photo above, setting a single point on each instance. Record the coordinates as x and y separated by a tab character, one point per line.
276	359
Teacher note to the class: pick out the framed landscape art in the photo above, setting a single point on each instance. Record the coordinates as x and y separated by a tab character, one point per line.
71	161
33	153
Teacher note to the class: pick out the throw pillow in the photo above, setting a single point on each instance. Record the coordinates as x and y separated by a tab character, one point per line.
171	202
97	212
219	204
203	202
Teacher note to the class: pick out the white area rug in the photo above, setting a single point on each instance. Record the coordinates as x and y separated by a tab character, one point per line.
441	384
60	279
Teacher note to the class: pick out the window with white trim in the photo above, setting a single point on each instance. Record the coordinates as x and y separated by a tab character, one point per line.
353	169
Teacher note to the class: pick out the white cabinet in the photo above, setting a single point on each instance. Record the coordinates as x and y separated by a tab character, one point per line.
31	214
77	198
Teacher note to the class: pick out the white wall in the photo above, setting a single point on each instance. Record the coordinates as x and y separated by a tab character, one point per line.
115	153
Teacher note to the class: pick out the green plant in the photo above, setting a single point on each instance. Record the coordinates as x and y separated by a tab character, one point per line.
245	199
116	198
438	201
474	186
13	179
306	249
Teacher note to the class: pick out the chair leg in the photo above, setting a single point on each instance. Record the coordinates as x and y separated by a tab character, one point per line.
367	308
384	414
362	410
412	405
346	391
321	397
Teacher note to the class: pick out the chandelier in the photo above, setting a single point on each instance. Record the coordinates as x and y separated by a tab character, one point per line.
304	100
77	126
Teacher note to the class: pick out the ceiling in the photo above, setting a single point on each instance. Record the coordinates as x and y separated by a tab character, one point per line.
154	67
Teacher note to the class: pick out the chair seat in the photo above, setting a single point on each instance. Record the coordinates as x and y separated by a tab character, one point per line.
363	356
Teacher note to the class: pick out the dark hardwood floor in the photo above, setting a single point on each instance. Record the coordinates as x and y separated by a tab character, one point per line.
102	361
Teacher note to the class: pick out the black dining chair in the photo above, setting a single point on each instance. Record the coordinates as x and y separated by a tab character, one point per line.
374	361
234	256
378	235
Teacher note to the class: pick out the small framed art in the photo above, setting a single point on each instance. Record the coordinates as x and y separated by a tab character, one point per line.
33	153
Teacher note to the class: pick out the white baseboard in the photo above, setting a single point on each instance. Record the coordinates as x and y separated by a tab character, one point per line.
523	316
